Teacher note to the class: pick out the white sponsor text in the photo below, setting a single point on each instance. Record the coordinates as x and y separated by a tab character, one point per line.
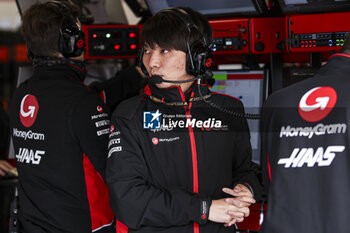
300	156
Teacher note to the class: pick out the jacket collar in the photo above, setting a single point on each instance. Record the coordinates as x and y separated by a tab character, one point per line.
56	67
340	55
174	94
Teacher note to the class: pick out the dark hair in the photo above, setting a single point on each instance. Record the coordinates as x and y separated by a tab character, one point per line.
42	22
167	30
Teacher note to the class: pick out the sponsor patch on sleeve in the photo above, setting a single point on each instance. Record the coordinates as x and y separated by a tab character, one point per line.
102	132
113	150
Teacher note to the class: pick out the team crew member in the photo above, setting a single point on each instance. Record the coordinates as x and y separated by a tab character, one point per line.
125	84
306	158
4	139
5	167
171	154
59	129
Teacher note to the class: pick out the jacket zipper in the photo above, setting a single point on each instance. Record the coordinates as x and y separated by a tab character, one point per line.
194	151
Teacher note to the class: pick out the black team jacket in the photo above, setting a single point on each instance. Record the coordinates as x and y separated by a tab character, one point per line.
60	134
170	155
306	158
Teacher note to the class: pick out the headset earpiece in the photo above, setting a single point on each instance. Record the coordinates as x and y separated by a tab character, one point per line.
199	57
30	54
202	58
140	63
71	41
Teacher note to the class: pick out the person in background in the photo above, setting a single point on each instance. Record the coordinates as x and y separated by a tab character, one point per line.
60	129
126	83
5	167
167	170
306	157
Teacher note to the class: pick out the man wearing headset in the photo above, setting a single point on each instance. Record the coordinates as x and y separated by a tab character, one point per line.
59	129
175	163
5	167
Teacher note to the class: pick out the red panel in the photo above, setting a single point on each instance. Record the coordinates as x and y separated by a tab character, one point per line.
224	28
12	162
20	53
85	29
317	23
302	57
4	54
267	35
251	223
244	76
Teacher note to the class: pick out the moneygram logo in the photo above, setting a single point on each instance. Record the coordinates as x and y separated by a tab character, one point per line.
309	132
28	110
317	103
99	109
155	141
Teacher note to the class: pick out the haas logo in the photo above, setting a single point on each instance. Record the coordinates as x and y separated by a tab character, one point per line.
28	110
317	103
111	129
209	62
80	43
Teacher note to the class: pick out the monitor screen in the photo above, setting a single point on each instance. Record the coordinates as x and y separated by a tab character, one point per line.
248	86
209	8
314	6
293	75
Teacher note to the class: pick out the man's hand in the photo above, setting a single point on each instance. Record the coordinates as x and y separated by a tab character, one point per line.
222	211
5	167
243	196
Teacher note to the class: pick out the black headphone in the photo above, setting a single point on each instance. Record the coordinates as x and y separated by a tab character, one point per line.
71	41
199	57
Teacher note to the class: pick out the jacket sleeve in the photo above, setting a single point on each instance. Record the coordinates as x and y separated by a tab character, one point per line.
4	132
245	171
125	84
134	199
90	124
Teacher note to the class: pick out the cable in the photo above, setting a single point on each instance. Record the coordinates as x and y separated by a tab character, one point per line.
261	220
14	226
225	110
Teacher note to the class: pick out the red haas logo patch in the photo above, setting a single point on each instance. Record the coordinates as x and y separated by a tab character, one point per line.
80	43
208	62
111	130
317	103
28	110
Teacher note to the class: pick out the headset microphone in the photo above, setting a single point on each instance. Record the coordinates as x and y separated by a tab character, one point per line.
156	79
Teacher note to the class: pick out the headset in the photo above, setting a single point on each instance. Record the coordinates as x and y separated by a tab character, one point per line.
71	41
199	58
